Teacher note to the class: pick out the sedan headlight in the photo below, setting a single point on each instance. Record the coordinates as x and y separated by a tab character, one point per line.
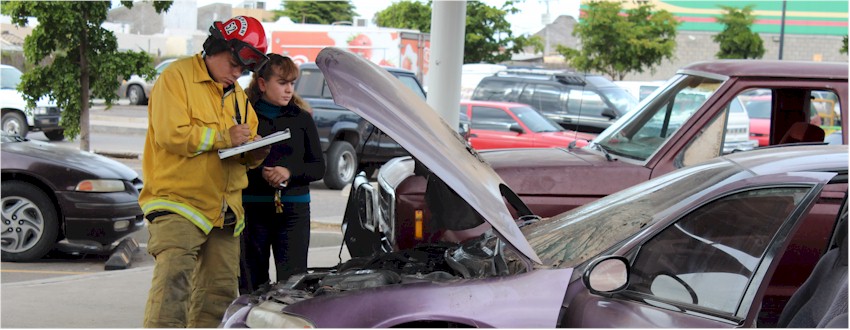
269	315
100	186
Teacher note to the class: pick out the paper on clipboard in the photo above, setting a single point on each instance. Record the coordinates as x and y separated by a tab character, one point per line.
266	140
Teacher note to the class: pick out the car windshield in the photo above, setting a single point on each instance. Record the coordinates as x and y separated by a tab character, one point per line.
535	121
641	133
570	238
620	98
10	78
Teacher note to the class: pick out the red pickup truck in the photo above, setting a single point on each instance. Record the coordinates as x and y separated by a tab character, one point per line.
682	123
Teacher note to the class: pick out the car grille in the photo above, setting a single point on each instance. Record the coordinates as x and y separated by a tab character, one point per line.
53	111
736	131
386	203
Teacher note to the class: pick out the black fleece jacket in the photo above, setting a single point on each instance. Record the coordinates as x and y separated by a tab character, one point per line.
301	153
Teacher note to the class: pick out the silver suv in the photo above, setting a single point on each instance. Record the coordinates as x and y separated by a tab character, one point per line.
581	102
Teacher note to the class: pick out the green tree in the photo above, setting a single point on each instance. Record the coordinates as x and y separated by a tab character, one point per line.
616	44
488	35
843	49
406	15
317	12
737	40
74	58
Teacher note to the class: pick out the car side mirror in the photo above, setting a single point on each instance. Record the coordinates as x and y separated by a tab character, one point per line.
609	113
463	130
607	275
515	128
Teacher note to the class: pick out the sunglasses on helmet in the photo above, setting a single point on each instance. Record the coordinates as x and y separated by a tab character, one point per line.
244	54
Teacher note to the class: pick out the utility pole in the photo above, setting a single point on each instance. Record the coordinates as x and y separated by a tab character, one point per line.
782	29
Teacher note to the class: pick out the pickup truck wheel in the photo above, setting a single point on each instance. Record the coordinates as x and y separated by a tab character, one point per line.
55	135
341	166
15	123
30	224
136	95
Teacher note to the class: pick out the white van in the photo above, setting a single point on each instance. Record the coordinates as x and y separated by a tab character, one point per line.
19	120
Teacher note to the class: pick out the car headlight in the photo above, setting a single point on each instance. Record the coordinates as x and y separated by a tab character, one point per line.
40	111
100	186
268	314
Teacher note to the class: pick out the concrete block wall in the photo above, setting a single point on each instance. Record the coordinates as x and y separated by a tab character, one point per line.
695	46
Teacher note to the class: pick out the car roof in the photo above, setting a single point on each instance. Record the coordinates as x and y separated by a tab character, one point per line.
312	65
783	159
771	68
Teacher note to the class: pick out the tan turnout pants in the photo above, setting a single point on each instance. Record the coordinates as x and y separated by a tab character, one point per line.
188	262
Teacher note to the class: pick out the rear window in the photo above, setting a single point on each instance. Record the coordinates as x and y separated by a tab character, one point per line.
311	83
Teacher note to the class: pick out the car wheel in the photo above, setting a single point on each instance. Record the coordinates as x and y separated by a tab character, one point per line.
136	95
341	166
55	135
15	123
30	223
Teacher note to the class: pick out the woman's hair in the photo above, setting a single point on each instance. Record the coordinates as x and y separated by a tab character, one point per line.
278	66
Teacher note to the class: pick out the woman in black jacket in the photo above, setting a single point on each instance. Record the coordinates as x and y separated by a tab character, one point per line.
277	200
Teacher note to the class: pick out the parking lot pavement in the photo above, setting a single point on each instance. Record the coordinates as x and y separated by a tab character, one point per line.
114	299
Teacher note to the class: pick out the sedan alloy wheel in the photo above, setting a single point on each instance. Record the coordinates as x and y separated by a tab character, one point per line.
29	222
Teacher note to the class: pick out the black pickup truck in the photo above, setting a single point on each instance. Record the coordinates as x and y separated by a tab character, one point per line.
350	143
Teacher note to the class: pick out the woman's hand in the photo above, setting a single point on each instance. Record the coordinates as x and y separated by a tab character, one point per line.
276	176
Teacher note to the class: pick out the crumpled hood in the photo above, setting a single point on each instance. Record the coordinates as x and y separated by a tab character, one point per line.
97	165
377	96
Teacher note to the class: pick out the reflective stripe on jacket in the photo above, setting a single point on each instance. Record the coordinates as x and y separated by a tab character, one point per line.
188	120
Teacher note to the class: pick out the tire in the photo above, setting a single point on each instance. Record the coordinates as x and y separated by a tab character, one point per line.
15	123
136	95
55	135
30	224
341	165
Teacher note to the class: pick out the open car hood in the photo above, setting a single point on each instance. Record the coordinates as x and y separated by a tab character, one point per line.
379	97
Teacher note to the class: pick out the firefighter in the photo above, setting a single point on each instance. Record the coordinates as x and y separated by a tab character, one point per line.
192	198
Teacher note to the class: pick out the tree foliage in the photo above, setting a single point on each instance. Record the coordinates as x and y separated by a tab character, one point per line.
317	12
737	40
74	58
406	15
616	44
843	49
488	34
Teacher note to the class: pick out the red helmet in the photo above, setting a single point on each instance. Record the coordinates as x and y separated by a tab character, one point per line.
246	38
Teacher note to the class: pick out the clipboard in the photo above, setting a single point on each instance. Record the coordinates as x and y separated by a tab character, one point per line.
266	140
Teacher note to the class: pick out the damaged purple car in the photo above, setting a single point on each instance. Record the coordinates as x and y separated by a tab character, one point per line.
693	248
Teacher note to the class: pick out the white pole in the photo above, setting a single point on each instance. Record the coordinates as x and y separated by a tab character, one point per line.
448	27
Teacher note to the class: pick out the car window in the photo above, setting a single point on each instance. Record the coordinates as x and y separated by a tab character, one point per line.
493	119
10	78
494	90
310	83
412	83
641	135
708	257
620	98
535	121
546	98
585	103
827	107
